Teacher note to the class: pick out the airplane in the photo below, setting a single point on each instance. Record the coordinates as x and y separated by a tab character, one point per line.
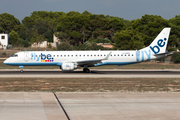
71	60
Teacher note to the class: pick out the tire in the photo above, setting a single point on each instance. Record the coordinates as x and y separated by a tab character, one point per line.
86	70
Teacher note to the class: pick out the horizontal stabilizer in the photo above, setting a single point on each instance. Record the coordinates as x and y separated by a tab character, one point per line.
165	54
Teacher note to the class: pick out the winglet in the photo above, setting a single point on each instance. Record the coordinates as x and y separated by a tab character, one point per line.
107	57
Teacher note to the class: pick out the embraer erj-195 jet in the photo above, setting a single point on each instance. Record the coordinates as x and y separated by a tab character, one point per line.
70	60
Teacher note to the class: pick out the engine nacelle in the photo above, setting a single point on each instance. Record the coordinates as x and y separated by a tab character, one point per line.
68	66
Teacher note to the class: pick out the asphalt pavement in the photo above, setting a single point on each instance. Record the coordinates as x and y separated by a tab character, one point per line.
89	106
95	73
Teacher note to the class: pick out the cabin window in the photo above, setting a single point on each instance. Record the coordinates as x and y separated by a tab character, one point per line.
64	55
2	37
118	54
84	55
94	55
104	55
71	55
114	55
132	55
68	55
111	55
98	55
15	55
57	55
129	55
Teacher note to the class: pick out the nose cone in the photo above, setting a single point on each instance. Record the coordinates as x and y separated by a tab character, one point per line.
6	61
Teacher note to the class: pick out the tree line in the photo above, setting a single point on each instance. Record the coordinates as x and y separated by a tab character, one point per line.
84	29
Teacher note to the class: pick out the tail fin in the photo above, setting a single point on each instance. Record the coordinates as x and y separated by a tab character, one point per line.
159	44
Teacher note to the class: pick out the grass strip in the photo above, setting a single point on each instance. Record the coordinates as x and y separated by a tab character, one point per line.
90	84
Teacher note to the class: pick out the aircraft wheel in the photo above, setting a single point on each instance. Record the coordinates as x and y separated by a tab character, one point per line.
21	71
86	70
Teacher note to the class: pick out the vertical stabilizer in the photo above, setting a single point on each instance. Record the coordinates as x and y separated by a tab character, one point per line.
159	44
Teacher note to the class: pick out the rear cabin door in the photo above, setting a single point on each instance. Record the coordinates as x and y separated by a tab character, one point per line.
26	56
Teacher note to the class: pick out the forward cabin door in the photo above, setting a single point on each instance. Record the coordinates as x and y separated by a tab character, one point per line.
26	56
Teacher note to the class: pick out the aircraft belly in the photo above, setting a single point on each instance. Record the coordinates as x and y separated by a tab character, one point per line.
32	64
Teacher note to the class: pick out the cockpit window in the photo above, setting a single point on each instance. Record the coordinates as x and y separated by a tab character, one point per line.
15	55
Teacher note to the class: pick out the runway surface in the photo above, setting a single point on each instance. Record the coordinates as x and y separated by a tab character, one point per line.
95	73
89	106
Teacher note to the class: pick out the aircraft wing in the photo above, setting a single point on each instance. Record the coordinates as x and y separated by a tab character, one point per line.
91	62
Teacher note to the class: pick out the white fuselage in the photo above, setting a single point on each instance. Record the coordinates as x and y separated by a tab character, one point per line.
38	58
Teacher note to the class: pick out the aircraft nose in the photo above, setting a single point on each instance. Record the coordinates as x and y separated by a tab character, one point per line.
6	61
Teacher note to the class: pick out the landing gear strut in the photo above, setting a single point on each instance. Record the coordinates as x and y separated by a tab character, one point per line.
21	69
86	70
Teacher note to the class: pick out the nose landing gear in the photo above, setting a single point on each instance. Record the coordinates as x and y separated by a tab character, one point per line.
21	69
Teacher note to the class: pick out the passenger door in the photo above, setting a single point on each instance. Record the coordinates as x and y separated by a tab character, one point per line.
26	56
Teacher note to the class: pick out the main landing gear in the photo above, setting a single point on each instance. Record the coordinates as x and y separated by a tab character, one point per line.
86	70
21	69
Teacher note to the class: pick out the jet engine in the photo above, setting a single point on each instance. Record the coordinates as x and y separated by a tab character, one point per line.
68	66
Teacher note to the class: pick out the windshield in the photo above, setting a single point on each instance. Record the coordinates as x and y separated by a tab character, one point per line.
15	55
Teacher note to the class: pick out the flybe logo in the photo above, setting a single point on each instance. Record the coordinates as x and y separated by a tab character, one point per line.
160	43
143	55
42	57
